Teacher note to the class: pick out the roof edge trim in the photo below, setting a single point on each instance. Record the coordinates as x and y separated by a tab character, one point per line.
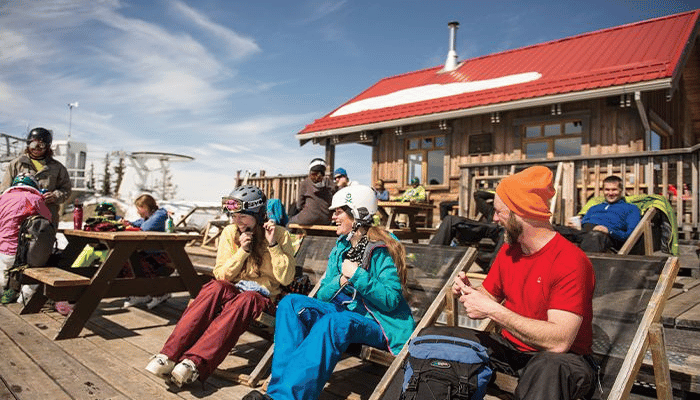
658	84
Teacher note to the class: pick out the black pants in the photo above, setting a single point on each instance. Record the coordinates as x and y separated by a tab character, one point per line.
541	375
446	207
588	239
484	204
465	231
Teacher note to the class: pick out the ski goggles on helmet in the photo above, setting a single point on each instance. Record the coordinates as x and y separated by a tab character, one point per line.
233	205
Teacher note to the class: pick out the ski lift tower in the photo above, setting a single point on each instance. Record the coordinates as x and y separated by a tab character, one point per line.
147	162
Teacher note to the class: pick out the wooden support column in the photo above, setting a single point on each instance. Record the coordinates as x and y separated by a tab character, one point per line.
330	157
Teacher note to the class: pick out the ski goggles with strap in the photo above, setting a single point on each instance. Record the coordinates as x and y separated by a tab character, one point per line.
232	205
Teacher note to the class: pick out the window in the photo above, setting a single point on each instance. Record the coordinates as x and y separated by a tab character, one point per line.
426	159
553	139
481	143
655	141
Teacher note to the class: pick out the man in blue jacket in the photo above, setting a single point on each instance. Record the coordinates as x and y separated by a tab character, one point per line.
608	224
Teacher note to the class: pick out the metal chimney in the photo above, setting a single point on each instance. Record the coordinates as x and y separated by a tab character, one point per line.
451	62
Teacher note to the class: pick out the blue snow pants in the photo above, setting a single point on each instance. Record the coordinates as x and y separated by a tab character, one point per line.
310	337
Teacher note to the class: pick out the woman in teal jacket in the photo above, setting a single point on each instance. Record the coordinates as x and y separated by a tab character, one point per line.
360	300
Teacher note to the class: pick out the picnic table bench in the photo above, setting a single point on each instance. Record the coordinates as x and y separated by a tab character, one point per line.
314	230
88	286
411	209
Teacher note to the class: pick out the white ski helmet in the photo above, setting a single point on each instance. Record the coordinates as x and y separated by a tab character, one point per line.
361	201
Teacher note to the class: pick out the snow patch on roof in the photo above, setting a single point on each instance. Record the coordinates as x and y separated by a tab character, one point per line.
433	91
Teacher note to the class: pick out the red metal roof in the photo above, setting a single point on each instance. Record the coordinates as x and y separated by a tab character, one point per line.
638	52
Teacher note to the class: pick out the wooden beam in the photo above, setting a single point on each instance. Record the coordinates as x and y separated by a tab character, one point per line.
642	228
662	372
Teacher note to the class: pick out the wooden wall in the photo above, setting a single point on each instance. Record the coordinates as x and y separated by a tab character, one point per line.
608	129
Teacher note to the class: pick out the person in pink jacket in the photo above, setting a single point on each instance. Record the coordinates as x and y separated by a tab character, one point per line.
18	202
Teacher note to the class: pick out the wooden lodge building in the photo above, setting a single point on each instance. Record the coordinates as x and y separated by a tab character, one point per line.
623	101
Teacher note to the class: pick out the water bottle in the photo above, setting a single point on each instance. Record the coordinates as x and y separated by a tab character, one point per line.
78	215
169	225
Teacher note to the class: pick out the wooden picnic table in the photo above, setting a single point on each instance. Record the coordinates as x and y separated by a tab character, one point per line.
410	209
314	230
103	282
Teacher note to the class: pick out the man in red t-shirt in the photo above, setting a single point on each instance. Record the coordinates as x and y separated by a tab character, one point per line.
539	292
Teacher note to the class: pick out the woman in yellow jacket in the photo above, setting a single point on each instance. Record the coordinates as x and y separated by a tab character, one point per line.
255	257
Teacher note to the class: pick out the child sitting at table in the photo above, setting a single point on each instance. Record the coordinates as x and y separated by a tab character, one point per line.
149	263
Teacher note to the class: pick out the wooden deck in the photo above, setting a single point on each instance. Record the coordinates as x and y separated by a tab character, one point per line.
107	360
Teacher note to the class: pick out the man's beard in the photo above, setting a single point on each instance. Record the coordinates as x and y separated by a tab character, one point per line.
513	229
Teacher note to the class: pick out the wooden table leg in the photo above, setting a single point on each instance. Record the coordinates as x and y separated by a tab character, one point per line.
184	267
391	221
93	294
412	225
35	302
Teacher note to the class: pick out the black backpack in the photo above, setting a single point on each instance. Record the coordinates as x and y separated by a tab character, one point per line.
35	244
442	365
37	237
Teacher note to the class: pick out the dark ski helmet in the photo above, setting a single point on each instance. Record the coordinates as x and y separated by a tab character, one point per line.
40	134
246	199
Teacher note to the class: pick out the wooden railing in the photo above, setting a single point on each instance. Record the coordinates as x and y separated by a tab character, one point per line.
283	187
660	172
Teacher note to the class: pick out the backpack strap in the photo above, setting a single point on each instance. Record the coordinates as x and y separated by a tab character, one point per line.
371	246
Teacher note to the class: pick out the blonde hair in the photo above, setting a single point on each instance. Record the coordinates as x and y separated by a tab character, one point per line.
396	250
146	200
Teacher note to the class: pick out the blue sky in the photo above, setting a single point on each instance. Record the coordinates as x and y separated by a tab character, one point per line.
231	82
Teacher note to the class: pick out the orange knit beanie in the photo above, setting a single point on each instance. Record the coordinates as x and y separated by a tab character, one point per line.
528	192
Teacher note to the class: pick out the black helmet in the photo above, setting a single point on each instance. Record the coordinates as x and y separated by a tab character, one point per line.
247	199
40	134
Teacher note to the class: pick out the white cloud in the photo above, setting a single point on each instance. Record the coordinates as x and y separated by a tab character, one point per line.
228	149
238	45
13	47
320	10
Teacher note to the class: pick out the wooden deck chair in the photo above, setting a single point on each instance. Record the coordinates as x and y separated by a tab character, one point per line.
649	206
431	271
630	295
312	256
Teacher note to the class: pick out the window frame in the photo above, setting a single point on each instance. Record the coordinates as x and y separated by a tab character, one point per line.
424	158
550	140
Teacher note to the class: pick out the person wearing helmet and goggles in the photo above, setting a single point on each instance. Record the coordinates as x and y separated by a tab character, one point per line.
360	300
18	202
255	258
37	160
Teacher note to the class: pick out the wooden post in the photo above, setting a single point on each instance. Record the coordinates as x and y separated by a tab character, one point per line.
330	157
694	189
662	372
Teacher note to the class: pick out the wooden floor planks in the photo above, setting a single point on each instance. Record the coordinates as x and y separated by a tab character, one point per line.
107	360
60	373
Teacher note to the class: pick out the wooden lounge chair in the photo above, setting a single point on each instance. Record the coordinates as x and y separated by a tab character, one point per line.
312	256
654	208
431	271
630	295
